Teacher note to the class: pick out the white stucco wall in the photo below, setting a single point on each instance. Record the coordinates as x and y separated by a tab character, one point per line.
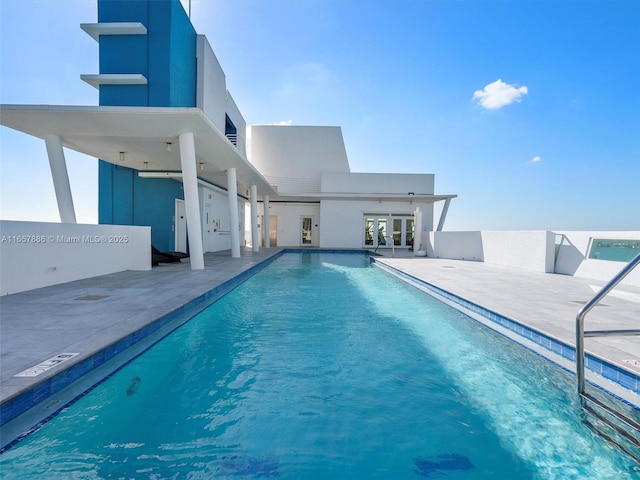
342	225
455	245
289	226
573	256
36	254
534	250
297	152
343	220
216	229
531	250
211	91
212	95
398	183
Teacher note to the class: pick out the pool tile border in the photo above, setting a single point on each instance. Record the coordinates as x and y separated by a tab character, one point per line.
611	372
24	401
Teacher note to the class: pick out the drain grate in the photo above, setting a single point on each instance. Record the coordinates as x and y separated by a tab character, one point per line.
46	365
93	297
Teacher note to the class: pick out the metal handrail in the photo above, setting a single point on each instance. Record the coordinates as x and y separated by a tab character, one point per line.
580	333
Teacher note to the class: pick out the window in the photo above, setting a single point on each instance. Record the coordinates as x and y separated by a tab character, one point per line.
384	230
230	131
614	250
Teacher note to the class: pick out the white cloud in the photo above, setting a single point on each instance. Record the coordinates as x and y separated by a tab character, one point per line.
535	159
283	122
499	94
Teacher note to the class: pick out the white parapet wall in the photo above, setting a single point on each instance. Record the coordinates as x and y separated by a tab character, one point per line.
528	249
37	254
531	250
573	256
563	252
455	245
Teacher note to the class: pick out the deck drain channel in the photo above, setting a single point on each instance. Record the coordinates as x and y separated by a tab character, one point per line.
46	365
93	297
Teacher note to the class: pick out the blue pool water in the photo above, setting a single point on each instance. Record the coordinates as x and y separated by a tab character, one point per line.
324	367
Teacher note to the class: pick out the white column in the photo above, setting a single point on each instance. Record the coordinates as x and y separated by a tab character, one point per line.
266	223
232	190
443	215
417	225
191	200
60	178
255	240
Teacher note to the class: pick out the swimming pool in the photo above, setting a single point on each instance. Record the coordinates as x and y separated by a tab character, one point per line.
321	366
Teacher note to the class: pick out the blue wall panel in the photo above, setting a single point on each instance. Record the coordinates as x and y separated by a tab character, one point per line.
155	206
172	56
124	95
167	58
123	54
159	35
123	195
123	11
105	192
182	59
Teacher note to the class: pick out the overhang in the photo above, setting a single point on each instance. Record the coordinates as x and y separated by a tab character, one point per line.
142	138
114	28
114	79
389	197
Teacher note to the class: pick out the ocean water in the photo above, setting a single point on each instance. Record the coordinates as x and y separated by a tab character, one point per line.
324	367
615	250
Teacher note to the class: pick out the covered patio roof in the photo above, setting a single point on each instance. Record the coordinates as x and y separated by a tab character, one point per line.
147	136
394	197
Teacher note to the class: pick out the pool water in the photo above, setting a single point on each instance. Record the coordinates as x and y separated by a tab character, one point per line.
324	367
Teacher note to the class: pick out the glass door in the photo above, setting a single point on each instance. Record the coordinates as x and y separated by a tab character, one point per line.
307	230
369	229
398	232
377	234
408	232
382	232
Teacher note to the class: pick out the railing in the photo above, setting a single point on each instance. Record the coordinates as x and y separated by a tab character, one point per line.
581	334
294	185
233	138
606	418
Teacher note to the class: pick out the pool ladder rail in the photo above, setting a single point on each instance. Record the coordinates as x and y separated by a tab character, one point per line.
615	422
605	415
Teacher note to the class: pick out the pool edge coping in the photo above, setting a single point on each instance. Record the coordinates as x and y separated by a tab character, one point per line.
22	401
593	363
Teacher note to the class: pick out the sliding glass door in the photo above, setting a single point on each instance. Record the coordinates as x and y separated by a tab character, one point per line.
377	234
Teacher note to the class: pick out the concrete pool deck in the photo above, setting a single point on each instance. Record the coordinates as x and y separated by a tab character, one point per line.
86	316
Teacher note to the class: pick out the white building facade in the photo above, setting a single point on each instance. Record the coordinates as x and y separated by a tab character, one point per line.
319	202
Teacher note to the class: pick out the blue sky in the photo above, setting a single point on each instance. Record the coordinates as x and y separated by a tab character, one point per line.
529	111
